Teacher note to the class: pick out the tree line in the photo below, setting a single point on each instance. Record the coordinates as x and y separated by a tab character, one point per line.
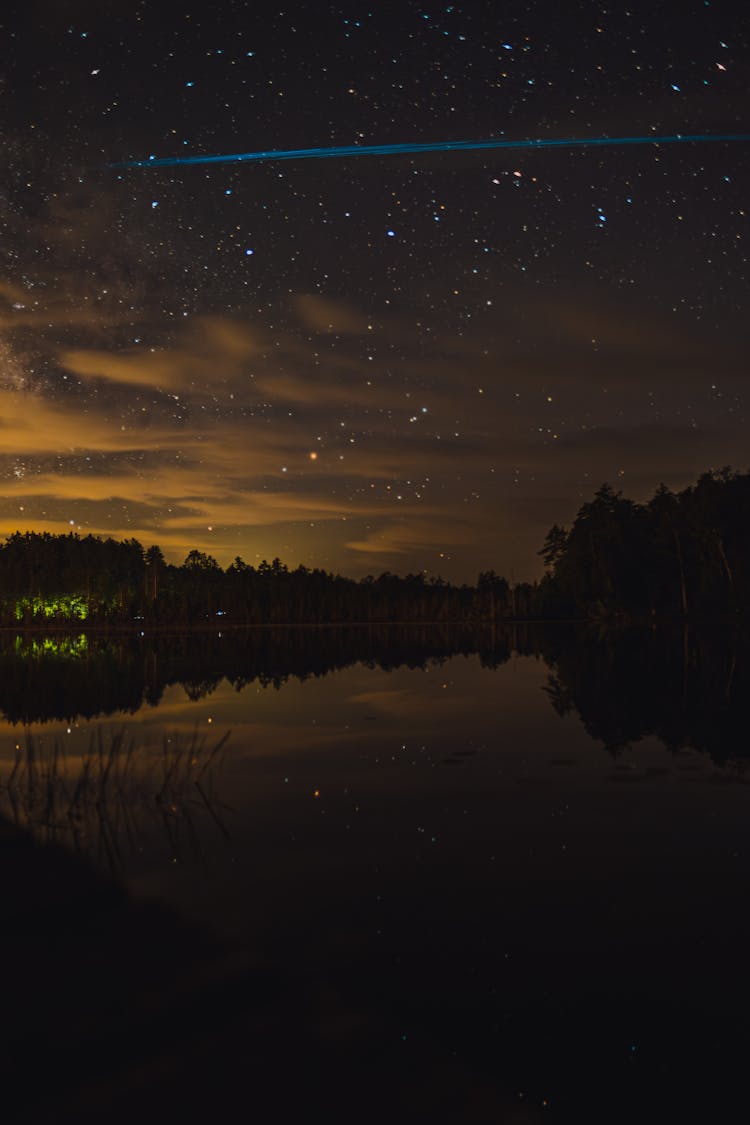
48	579
680	555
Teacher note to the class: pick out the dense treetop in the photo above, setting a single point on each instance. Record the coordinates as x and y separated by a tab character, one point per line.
681	554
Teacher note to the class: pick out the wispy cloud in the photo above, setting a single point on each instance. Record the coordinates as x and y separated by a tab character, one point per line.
351	438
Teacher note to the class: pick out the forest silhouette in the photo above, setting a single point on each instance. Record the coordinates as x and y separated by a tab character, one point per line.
680	555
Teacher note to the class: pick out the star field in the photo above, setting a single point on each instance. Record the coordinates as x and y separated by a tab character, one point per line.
414	361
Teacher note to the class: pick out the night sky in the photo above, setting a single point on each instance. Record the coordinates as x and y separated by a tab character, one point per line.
404	362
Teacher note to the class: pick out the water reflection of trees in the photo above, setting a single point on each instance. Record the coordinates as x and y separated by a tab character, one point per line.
689	688
108	803
51	678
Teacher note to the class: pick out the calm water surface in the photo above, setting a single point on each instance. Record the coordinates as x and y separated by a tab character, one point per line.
515	877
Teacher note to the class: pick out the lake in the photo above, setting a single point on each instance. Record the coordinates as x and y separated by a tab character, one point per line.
502	876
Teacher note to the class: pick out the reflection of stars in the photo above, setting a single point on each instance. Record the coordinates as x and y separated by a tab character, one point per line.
19	471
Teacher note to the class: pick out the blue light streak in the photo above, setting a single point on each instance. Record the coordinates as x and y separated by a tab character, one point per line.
340	151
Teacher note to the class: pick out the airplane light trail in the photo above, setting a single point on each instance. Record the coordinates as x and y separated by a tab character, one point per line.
430	146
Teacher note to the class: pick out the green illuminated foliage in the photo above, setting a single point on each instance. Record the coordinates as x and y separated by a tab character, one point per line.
63	607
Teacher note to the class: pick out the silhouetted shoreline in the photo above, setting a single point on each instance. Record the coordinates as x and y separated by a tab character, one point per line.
682	556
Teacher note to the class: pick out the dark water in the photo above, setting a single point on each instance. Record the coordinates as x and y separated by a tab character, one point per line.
491	878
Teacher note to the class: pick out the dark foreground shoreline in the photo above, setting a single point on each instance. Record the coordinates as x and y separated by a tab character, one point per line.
119	1011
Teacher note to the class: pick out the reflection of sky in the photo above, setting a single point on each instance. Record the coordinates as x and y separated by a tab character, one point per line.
372	782
358	705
